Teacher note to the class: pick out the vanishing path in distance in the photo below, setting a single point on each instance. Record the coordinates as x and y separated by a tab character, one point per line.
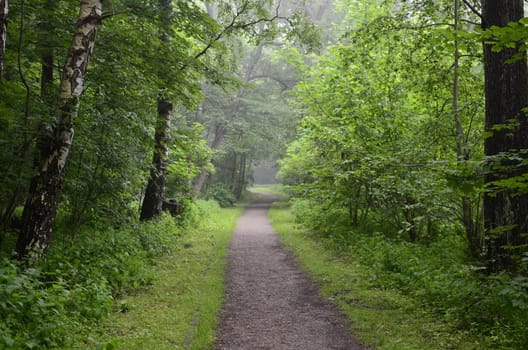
270	303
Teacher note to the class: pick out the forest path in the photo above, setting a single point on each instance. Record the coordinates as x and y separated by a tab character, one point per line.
270	303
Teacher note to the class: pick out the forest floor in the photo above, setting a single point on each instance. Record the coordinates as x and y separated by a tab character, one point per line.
270	303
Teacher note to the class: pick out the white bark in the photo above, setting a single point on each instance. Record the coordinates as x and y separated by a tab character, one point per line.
4	10
41	206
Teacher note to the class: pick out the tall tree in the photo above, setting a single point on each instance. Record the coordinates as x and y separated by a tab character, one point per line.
153	200
4	9
46	54
506	91
233	110
42	202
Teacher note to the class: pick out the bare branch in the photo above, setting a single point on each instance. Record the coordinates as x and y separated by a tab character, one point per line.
473	9
233	25
469	22
281	82
219	36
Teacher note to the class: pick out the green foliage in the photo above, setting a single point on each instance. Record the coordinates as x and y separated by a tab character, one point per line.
190	156
80	282
224	196
438	275
388	167
30	309
364	144
511	36
180	308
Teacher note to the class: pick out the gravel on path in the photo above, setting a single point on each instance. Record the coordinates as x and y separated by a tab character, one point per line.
270	303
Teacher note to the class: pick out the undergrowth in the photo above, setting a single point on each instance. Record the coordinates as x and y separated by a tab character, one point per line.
179	310
437	275
54	303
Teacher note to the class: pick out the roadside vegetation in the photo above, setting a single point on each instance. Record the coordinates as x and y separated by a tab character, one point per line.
179	310
401	295
398	127
158	283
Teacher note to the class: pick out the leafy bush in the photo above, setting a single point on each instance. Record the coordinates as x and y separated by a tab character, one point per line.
79	283
324	219
31	310
438	274
222	195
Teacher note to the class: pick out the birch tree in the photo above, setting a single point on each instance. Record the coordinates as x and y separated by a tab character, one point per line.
4	9
41	206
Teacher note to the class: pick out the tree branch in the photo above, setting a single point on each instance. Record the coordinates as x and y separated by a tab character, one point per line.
473	9
112	13
218	36
469	22
281	82
232	25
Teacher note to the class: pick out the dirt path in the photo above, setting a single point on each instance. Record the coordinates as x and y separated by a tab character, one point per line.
270	303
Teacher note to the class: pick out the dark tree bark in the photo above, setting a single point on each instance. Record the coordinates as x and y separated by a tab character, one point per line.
46	76
4	10
152	205
241	182
506	89
42	202
153	202
46	55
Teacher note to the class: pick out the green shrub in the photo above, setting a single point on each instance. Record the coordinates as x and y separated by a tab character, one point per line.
439	274
223	195
324	219
80	281
30	309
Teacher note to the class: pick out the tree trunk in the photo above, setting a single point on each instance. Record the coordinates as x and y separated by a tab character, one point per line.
153	202
506	90
42	202
233	177
152	205
4	10
241	183
46	76
46	54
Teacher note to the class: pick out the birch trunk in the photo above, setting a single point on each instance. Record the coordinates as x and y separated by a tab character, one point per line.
42	202
4	10
506	91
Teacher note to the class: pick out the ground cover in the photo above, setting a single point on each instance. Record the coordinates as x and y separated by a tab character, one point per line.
179	309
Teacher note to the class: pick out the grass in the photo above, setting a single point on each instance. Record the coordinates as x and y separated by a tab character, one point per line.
381	318
179	310
275	189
